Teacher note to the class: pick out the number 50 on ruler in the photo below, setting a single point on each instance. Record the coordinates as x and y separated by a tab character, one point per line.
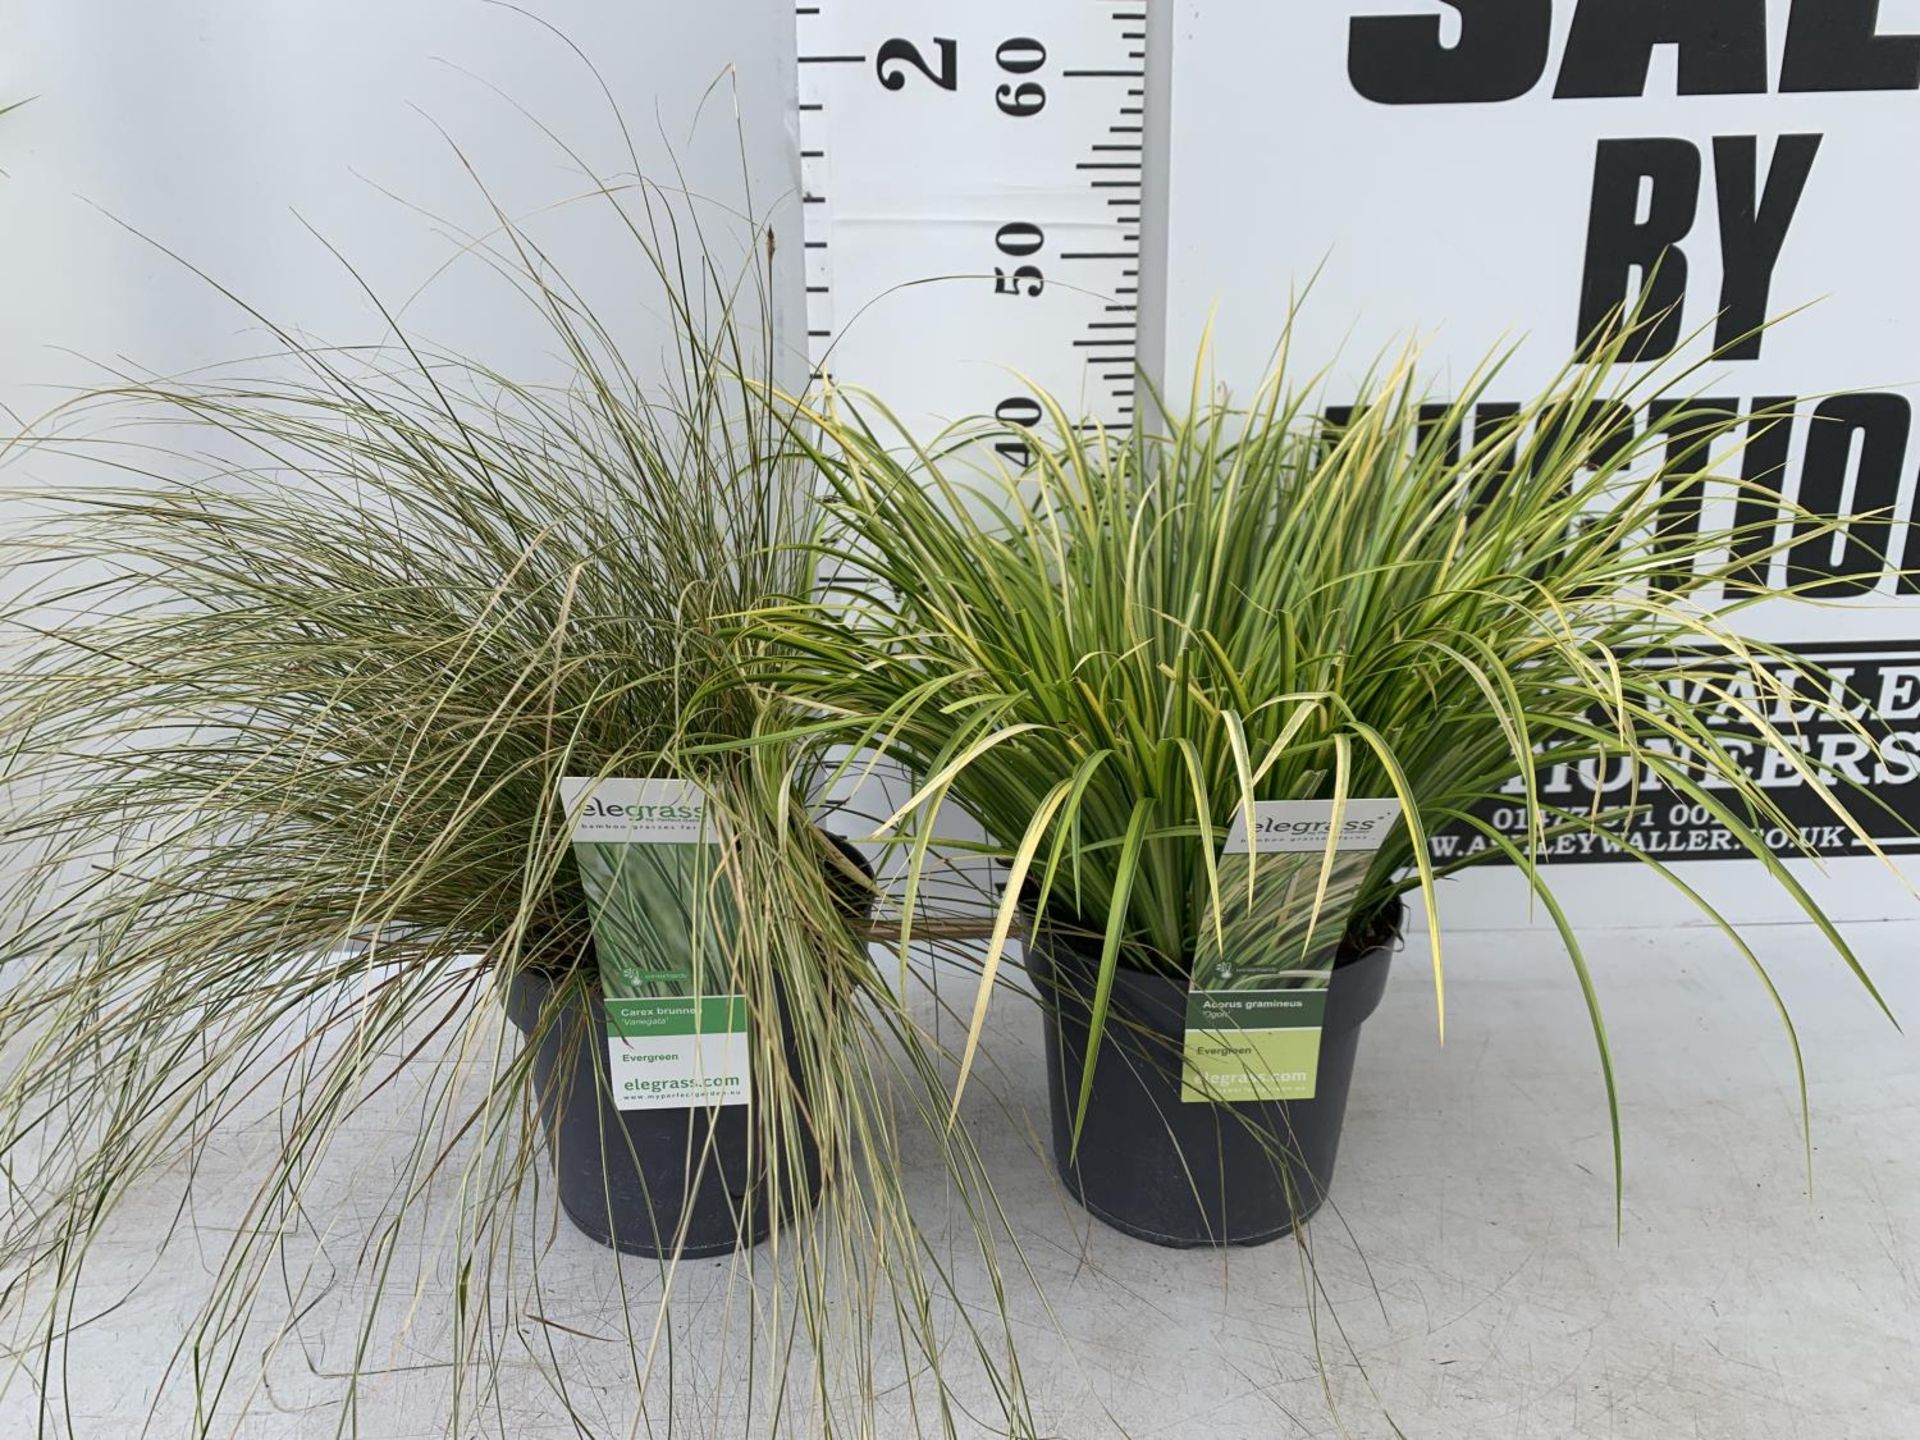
971	188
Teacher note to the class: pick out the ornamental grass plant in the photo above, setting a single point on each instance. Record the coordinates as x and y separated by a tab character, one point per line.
291	685
1104	656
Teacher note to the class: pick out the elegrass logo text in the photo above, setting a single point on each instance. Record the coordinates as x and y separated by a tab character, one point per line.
604	810
1272	825
635	811
704	1084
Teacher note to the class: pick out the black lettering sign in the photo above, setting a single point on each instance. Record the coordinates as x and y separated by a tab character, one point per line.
1635	271
1501	54
1722	45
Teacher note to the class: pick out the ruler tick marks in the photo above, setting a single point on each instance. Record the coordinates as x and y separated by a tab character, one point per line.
915	254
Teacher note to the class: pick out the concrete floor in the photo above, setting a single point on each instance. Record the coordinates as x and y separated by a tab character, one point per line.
1471	1285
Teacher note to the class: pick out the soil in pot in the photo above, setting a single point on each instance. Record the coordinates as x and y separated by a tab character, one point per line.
1187	1174
688	1182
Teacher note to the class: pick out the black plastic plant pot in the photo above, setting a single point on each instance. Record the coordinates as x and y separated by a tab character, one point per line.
1182	1173
689	1182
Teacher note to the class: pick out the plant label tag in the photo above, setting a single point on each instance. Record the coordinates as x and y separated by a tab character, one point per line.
663	924
1301	827
1258	997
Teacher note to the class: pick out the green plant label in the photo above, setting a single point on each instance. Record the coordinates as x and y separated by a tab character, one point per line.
1258	997
663	927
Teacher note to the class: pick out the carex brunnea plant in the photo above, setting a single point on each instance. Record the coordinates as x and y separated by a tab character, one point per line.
1105	655
283	730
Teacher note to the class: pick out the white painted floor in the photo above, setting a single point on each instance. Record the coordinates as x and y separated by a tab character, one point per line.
1471	1285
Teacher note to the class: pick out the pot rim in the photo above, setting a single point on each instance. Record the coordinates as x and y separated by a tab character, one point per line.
1393	940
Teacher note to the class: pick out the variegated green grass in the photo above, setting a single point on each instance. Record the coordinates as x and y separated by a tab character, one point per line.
283	734
1104	657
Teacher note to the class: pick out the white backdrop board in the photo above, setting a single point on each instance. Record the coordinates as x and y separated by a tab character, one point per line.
1509	170
244	135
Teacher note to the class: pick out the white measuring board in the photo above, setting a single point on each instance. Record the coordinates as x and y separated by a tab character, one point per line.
971	179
